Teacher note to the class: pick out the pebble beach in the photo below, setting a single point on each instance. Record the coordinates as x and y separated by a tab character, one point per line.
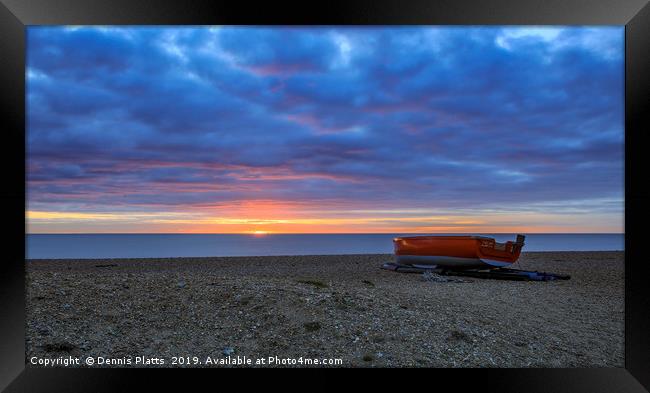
336	307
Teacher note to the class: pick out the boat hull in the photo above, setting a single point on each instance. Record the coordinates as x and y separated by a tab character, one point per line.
447	261
456	252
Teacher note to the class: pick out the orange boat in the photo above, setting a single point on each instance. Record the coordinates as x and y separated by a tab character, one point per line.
457	252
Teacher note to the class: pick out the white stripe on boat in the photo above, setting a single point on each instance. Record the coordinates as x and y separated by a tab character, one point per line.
447	261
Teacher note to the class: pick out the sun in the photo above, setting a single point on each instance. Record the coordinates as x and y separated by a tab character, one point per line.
260	233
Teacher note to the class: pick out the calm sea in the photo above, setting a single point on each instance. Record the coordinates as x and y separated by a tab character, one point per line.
193	245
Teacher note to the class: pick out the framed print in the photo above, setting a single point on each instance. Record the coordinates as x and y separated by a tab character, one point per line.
450	187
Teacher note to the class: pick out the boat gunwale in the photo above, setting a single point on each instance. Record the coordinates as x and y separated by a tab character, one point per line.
443	237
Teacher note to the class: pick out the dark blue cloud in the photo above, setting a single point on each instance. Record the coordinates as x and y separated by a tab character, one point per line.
416	117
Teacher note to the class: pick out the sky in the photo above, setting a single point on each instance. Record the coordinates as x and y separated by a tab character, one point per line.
325	129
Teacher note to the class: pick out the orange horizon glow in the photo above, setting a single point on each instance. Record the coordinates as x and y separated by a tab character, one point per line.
268	221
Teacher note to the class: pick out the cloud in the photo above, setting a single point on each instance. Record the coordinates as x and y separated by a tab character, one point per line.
381	117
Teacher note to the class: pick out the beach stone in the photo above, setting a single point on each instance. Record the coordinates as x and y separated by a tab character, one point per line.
312	326
182	284
227	351
43	330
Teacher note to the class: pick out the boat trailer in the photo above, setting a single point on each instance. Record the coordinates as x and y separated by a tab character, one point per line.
498	273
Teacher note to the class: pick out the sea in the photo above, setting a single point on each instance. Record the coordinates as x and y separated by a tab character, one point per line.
101	246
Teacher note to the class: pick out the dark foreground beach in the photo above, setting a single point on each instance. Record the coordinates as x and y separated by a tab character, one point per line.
335	307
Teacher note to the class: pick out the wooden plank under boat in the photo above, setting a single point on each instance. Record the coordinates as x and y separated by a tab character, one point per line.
457	252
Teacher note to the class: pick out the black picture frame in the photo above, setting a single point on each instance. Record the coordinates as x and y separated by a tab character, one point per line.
15	15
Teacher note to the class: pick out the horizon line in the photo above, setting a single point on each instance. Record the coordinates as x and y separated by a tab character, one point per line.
321	233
